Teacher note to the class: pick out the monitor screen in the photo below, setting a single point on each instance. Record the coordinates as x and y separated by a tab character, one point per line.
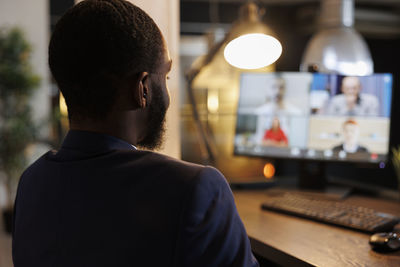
324	117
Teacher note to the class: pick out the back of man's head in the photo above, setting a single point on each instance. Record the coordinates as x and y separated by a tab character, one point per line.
95	46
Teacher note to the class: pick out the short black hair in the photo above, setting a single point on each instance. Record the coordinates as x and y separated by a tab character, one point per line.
96	45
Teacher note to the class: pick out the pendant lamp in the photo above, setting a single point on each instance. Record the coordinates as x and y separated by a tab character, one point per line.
337	47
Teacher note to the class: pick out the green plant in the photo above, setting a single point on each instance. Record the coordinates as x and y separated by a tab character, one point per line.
17	83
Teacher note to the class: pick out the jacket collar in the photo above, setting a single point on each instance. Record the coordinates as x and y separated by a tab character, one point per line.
92	142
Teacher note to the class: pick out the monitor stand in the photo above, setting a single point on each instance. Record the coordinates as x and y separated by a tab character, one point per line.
312	175
312	179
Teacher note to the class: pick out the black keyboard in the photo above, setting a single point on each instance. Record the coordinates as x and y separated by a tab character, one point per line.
332	212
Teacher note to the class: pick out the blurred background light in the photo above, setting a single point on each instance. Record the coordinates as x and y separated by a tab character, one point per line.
252	51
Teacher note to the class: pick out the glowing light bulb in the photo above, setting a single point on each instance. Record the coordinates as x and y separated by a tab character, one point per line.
269	170
252	51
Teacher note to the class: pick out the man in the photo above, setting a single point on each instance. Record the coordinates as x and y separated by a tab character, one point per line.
351	134
276	103
100	201
352	102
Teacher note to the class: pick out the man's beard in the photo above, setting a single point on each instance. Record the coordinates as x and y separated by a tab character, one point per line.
155	130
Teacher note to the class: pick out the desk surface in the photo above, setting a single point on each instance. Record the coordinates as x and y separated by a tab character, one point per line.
292	241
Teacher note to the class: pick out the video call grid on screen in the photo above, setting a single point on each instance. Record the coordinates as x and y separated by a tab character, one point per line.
315	116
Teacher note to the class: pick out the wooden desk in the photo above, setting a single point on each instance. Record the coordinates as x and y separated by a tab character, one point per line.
292	241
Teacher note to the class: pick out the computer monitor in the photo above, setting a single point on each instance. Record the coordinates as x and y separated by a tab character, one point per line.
314	117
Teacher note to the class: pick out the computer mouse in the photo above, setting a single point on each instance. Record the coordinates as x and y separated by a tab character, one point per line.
385	241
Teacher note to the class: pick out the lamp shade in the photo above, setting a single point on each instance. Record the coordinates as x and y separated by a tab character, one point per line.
252	51
337	47
338	50
250	43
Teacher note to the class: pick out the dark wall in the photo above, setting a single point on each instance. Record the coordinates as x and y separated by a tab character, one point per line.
57	9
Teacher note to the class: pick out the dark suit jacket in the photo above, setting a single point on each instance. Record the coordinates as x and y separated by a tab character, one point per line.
360	149
100	202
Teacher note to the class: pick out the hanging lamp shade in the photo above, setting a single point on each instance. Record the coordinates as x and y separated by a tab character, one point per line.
251	44
337	47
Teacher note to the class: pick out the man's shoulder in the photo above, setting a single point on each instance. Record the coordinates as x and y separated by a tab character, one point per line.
340	98
338	148
368	98
39	163
129	165
154	160
179	168
159	166
130	162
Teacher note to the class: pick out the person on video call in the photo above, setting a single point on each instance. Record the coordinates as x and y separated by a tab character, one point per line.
351	102
275	136
100	200
275	102
351	134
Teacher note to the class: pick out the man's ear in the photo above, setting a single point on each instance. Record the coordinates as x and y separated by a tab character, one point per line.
141	93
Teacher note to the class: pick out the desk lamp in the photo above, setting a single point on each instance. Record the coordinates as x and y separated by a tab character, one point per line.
249	45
